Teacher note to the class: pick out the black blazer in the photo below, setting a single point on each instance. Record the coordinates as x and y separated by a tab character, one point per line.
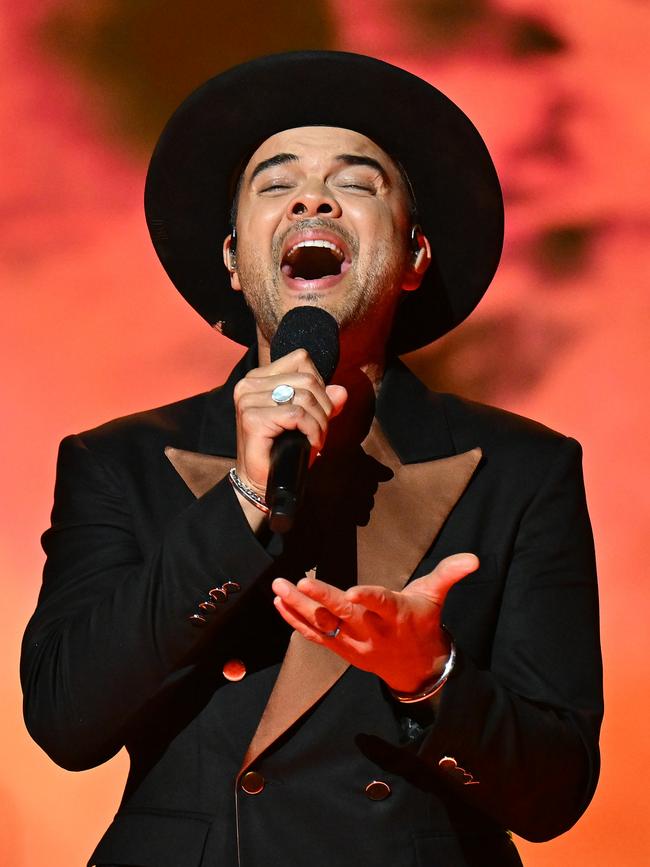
110	657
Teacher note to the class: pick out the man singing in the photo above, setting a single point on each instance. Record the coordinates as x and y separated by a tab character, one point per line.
412	670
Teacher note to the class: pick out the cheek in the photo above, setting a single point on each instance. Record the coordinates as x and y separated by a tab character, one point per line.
385	240
258	226
382	224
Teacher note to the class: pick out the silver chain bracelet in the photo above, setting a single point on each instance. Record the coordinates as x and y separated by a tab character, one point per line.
247	493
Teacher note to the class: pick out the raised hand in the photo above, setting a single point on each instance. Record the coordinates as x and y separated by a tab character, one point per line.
395	635
260	420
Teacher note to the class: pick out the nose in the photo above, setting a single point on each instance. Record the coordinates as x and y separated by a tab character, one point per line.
312	200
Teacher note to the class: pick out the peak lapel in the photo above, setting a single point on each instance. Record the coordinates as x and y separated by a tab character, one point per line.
408	512
308	671
199	472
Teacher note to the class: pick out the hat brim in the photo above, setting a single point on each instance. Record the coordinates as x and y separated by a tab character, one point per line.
205	144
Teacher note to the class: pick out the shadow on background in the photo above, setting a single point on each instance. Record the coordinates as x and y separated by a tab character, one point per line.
494	355
452	25
144	57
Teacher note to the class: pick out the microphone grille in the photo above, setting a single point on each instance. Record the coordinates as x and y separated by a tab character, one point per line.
313	329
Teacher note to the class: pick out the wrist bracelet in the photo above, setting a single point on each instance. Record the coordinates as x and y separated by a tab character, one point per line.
429	689
247	493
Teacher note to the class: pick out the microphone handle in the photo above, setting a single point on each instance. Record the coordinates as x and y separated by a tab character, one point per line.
287	475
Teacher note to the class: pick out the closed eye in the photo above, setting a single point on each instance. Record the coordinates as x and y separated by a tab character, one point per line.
273	187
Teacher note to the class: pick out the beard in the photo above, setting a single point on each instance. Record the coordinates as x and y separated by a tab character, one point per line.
371	291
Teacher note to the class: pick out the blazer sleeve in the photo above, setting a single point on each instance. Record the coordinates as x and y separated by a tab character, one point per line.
525	729
112	624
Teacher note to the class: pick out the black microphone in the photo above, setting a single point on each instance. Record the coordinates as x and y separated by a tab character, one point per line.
315	330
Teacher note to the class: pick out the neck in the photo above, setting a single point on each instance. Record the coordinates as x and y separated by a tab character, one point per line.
351	426
360	371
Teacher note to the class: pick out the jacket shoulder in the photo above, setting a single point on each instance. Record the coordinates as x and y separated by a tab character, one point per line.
511	443
176	423
495	424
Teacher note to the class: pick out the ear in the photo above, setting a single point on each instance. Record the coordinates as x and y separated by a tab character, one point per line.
420	261
230	262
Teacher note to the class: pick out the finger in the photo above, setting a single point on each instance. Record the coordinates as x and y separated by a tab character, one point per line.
338	396
330	597
313	631
448	572
259	389
379	600
299	623
314	613
303	397
318	405
343	644
268	422
298	360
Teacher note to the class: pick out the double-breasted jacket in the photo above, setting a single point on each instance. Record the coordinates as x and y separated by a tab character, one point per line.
305	760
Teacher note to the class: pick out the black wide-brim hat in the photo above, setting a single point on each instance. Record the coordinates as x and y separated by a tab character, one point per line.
211	136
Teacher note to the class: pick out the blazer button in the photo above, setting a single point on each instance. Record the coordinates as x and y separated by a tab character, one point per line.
234	670
197	620
378	790
450	766
218	594
252	783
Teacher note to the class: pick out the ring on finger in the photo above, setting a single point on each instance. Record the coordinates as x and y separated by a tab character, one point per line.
283	394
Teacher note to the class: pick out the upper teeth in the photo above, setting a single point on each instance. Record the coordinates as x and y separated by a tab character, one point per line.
318	243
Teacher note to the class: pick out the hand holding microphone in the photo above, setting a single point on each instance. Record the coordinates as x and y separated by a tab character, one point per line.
275	439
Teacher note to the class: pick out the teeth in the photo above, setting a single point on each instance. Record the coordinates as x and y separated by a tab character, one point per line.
318	243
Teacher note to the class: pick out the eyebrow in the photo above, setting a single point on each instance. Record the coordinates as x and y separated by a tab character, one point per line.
348	159
271	162
358	160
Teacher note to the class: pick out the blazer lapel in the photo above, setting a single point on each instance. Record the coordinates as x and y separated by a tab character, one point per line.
408	512
199	472
214	449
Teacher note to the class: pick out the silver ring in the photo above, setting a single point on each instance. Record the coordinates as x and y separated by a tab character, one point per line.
283	394
333	634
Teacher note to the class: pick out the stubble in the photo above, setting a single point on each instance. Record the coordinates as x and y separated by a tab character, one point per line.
371	288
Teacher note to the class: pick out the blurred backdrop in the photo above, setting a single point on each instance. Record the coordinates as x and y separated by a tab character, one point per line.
93	329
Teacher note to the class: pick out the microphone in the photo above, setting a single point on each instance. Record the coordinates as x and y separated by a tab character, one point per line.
315	330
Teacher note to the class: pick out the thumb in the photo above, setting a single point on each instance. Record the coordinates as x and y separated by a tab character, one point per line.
448	572
338	395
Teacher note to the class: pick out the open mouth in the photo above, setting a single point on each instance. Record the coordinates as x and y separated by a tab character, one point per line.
311	260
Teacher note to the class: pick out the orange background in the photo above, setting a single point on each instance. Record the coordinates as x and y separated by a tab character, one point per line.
93	329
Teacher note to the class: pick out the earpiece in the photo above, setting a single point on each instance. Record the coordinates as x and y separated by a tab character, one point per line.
419	251
419	258
416	229
232	249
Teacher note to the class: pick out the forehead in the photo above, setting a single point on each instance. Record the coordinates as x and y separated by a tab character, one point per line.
320	141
